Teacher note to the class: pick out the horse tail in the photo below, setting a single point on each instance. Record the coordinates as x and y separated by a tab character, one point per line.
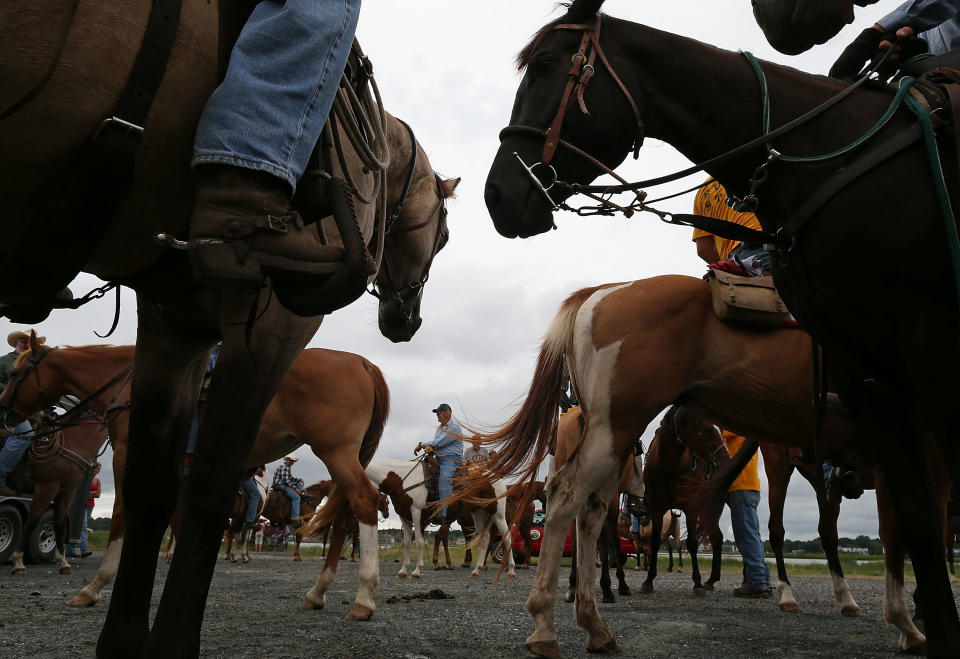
524	442
381	410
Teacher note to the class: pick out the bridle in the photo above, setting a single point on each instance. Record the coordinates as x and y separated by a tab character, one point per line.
17	378
388	289
581	71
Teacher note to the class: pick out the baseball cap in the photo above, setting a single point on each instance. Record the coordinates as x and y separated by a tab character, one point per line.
442	407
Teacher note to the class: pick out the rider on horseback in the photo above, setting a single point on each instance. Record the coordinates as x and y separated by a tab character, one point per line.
19	440
284	481
448	449
254	140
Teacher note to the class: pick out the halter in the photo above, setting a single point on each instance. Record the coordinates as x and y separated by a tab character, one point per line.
440	212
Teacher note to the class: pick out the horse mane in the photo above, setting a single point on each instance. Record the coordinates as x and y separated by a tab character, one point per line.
523	57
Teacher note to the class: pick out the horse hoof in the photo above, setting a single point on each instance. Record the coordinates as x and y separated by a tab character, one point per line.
66	570
790	607
438	567
549	649
415	575
669	569
297	559
570	596
401	575
19	572
708	586
511	575
474	575
82	600
624	590
699	591
309	605
609	599
360	612
608	647
852	612
646	588
245	560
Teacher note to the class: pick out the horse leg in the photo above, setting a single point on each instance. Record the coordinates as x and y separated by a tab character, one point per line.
656	528
41	499
107	572
590	521
829	512
698	587
501	521
603	549
440	537
418	538
482	522
406	530
895	609
776	462
565	500
613	537
169	363
316	597
61	506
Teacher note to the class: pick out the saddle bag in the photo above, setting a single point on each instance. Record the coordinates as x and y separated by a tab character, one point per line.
746	300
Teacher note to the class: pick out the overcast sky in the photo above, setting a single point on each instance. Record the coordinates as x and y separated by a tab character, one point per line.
446	67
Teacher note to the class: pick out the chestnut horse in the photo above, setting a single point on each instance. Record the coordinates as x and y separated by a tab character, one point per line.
894	369
335	402
54	465
459	513
61	75
684	453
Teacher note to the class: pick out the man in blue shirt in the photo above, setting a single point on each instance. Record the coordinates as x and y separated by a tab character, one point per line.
448	449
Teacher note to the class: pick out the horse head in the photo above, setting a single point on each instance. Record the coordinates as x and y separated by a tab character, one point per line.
700	437
416	232
794	26
24	394
572	101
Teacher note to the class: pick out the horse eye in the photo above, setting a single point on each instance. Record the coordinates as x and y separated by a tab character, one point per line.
542	64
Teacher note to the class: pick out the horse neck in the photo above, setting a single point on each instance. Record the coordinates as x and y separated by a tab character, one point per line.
666	452
705	101
85	439
81	371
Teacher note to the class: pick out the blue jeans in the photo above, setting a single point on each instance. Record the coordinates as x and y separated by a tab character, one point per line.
294	500
14	448
445	481
253	499
284	72
754	260
746	532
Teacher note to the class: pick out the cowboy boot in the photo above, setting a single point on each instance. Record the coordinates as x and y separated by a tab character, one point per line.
247	229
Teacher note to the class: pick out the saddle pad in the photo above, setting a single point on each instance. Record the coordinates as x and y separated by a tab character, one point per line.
746	300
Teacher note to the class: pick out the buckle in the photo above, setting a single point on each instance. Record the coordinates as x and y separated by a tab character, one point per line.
121	125
277	223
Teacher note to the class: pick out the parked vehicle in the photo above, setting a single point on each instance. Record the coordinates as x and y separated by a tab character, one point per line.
536	537
41	545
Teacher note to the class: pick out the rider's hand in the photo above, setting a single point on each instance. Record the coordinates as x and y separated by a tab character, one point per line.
417	449
857	54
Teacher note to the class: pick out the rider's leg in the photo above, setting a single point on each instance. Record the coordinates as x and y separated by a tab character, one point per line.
445	485
253	500
14	448
256	135
294	500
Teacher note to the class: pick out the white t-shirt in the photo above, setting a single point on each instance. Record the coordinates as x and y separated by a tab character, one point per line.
474	454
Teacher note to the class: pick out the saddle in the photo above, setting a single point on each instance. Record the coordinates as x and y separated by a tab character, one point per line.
752	301
431	470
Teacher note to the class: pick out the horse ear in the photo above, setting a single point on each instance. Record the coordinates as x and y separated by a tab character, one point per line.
581	11
448	186
34	343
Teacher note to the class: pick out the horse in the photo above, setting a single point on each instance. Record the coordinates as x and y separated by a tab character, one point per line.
456	512
684	453
277	508
237	526
795	26
895	372
670	535
54	465
63	73
335	402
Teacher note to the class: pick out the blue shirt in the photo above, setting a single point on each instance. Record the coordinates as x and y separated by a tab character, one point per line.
936	21
447	447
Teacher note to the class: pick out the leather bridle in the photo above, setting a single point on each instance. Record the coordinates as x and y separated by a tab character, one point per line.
17	378
582	70
388	289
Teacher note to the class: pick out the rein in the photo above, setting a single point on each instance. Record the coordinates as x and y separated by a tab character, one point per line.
417	462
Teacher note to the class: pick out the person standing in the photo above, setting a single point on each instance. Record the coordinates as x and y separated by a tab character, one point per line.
743	497
249	486
711	201
448	447
19	440
95	489
258	536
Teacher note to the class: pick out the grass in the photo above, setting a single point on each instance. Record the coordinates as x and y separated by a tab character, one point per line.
853	565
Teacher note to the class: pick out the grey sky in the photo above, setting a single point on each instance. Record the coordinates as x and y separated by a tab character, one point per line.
447	68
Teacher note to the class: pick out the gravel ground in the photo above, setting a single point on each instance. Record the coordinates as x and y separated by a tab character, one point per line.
253	611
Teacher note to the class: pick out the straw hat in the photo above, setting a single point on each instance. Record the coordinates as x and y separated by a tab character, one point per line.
292	458
13	337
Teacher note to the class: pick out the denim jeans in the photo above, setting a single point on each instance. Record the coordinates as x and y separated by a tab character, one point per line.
284	72
445	481
754	260
253	499
746	533
14	448
294	500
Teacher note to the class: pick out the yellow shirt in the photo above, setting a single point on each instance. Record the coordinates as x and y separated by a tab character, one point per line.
748	479
711	200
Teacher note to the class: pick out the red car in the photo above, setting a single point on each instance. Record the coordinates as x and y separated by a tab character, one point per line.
536	536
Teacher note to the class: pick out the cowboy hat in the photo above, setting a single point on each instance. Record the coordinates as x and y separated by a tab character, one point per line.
13	337
291	457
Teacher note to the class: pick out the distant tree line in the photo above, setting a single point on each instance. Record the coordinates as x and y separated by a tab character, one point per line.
873	545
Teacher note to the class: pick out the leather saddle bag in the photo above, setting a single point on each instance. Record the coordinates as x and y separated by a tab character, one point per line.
746	300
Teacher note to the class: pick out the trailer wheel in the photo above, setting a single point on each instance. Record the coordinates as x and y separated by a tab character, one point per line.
11	526
42	543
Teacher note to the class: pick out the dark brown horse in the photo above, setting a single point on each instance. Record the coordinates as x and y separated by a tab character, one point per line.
62	73
54	465
894	370
456	512
684	453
